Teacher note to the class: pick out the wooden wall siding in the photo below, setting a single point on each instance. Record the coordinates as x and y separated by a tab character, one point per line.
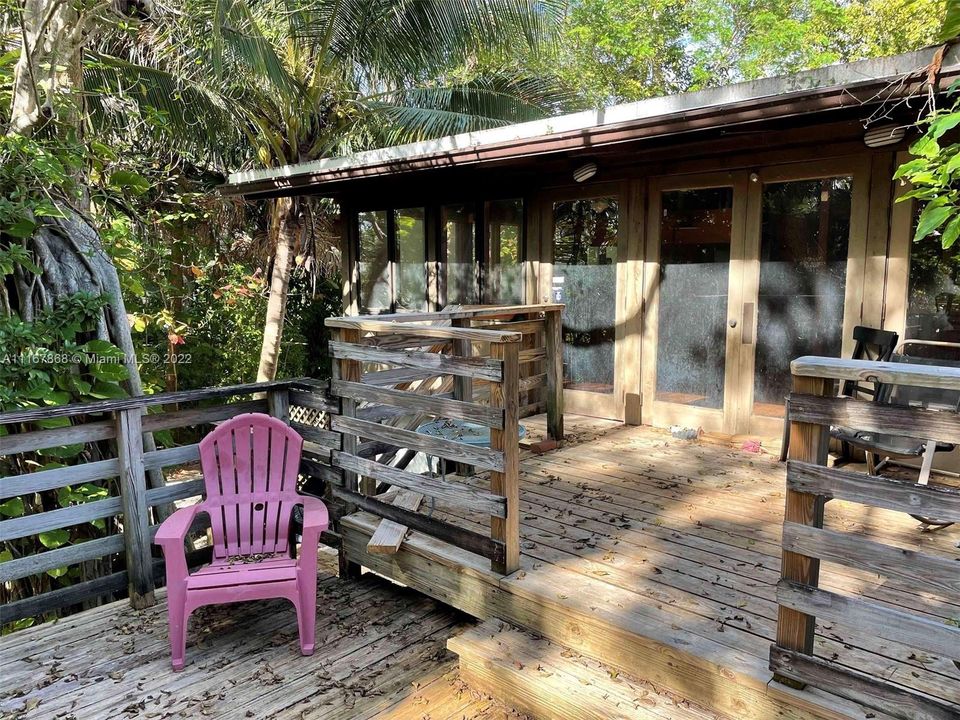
810	485
461	364
124	422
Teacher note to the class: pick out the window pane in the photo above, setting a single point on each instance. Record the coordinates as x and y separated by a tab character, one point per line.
585	279
933	308
504	237
411	260
459	230
803	269
694	274
374	262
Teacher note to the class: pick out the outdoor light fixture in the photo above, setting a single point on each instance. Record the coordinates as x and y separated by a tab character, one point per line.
585	172
884	135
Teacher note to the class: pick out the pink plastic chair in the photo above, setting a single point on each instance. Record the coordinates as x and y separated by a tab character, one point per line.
250	465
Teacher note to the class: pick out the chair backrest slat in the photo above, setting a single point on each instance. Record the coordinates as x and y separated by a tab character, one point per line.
250	467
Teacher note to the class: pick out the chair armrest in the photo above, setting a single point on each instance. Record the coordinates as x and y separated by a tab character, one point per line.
316	519
173	531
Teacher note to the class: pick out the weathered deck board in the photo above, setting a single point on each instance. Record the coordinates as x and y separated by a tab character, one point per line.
687	535
378	645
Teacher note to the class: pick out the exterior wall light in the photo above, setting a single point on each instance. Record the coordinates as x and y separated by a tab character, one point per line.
884	135
585	172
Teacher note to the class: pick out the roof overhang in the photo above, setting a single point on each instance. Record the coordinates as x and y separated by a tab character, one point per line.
850	85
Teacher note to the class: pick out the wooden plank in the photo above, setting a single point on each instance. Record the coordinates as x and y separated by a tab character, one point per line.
168	457
464	539
911	630
947	378
426	331
526	327
175	491
430	404
458	494
314	468
167	420
60	518
388	537
553	344
60	557
871	417
458	312
532	355
278	404
917	569
505	480
58	477
934	501
448	449
313	400
808	442
859	687
140	401
532	382
63	597
55	437
133	496
396	376
474	367
326	438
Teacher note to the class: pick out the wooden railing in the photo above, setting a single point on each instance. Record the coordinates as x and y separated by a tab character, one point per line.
810	484
117	428
461	364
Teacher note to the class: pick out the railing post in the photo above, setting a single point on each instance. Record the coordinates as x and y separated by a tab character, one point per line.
278	403
462	385
553	344
505	394
350	370
809	442
136	524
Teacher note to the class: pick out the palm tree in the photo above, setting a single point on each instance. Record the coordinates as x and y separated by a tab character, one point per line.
295	81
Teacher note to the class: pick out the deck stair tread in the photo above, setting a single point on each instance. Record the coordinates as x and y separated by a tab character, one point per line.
547	680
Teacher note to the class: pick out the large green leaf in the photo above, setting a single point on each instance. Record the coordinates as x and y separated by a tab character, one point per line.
933	216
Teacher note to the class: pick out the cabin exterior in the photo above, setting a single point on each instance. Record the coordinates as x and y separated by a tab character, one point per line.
699	242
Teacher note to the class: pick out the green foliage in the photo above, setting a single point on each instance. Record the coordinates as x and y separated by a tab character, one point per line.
934	173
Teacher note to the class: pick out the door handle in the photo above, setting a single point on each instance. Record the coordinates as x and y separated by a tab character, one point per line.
732	322
746	336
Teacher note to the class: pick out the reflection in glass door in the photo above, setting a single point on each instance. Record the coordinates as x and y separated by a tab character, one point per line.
695	239
585	279
804	242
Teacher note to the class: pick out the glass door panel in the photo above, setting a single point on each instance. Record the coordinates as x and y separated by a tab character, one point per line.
695	242
458	223
804	243
411	259
374	262
585	279
504	279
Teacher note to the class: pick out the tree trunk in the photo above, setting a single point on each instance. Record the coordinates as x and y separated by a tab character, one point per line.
285	225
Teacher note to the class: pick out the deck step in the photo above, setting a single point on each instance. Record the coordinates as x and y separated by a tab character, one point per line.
551	682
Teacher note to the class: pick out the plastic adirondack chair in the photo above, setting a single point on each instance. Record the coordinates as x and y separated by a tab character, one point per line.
250	465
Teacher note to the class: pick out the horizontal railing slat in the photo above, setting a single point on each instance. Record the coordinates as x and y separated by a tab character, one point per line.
426	362
533	382
62	517
174	491
533	355
326	438
200	416
526	327
447	449
462	312
860	687
60	557
934	501
54	437
426	331
947	378
313	400
873	417
58	477
458	494
430	404
314	468
461	537
918	569
166	457
914	631
63	597
171	398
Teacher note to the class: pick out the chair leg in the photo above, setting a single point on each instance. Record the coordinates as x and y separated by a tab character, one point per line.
177	621
307	615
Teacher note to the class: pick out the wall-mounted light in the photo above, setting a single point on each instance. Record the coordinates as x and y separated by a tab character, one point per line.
884	135
585	172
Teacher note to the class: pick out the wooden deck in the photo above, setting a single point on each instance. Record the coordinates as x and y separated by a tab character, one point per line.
380	652
662	556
